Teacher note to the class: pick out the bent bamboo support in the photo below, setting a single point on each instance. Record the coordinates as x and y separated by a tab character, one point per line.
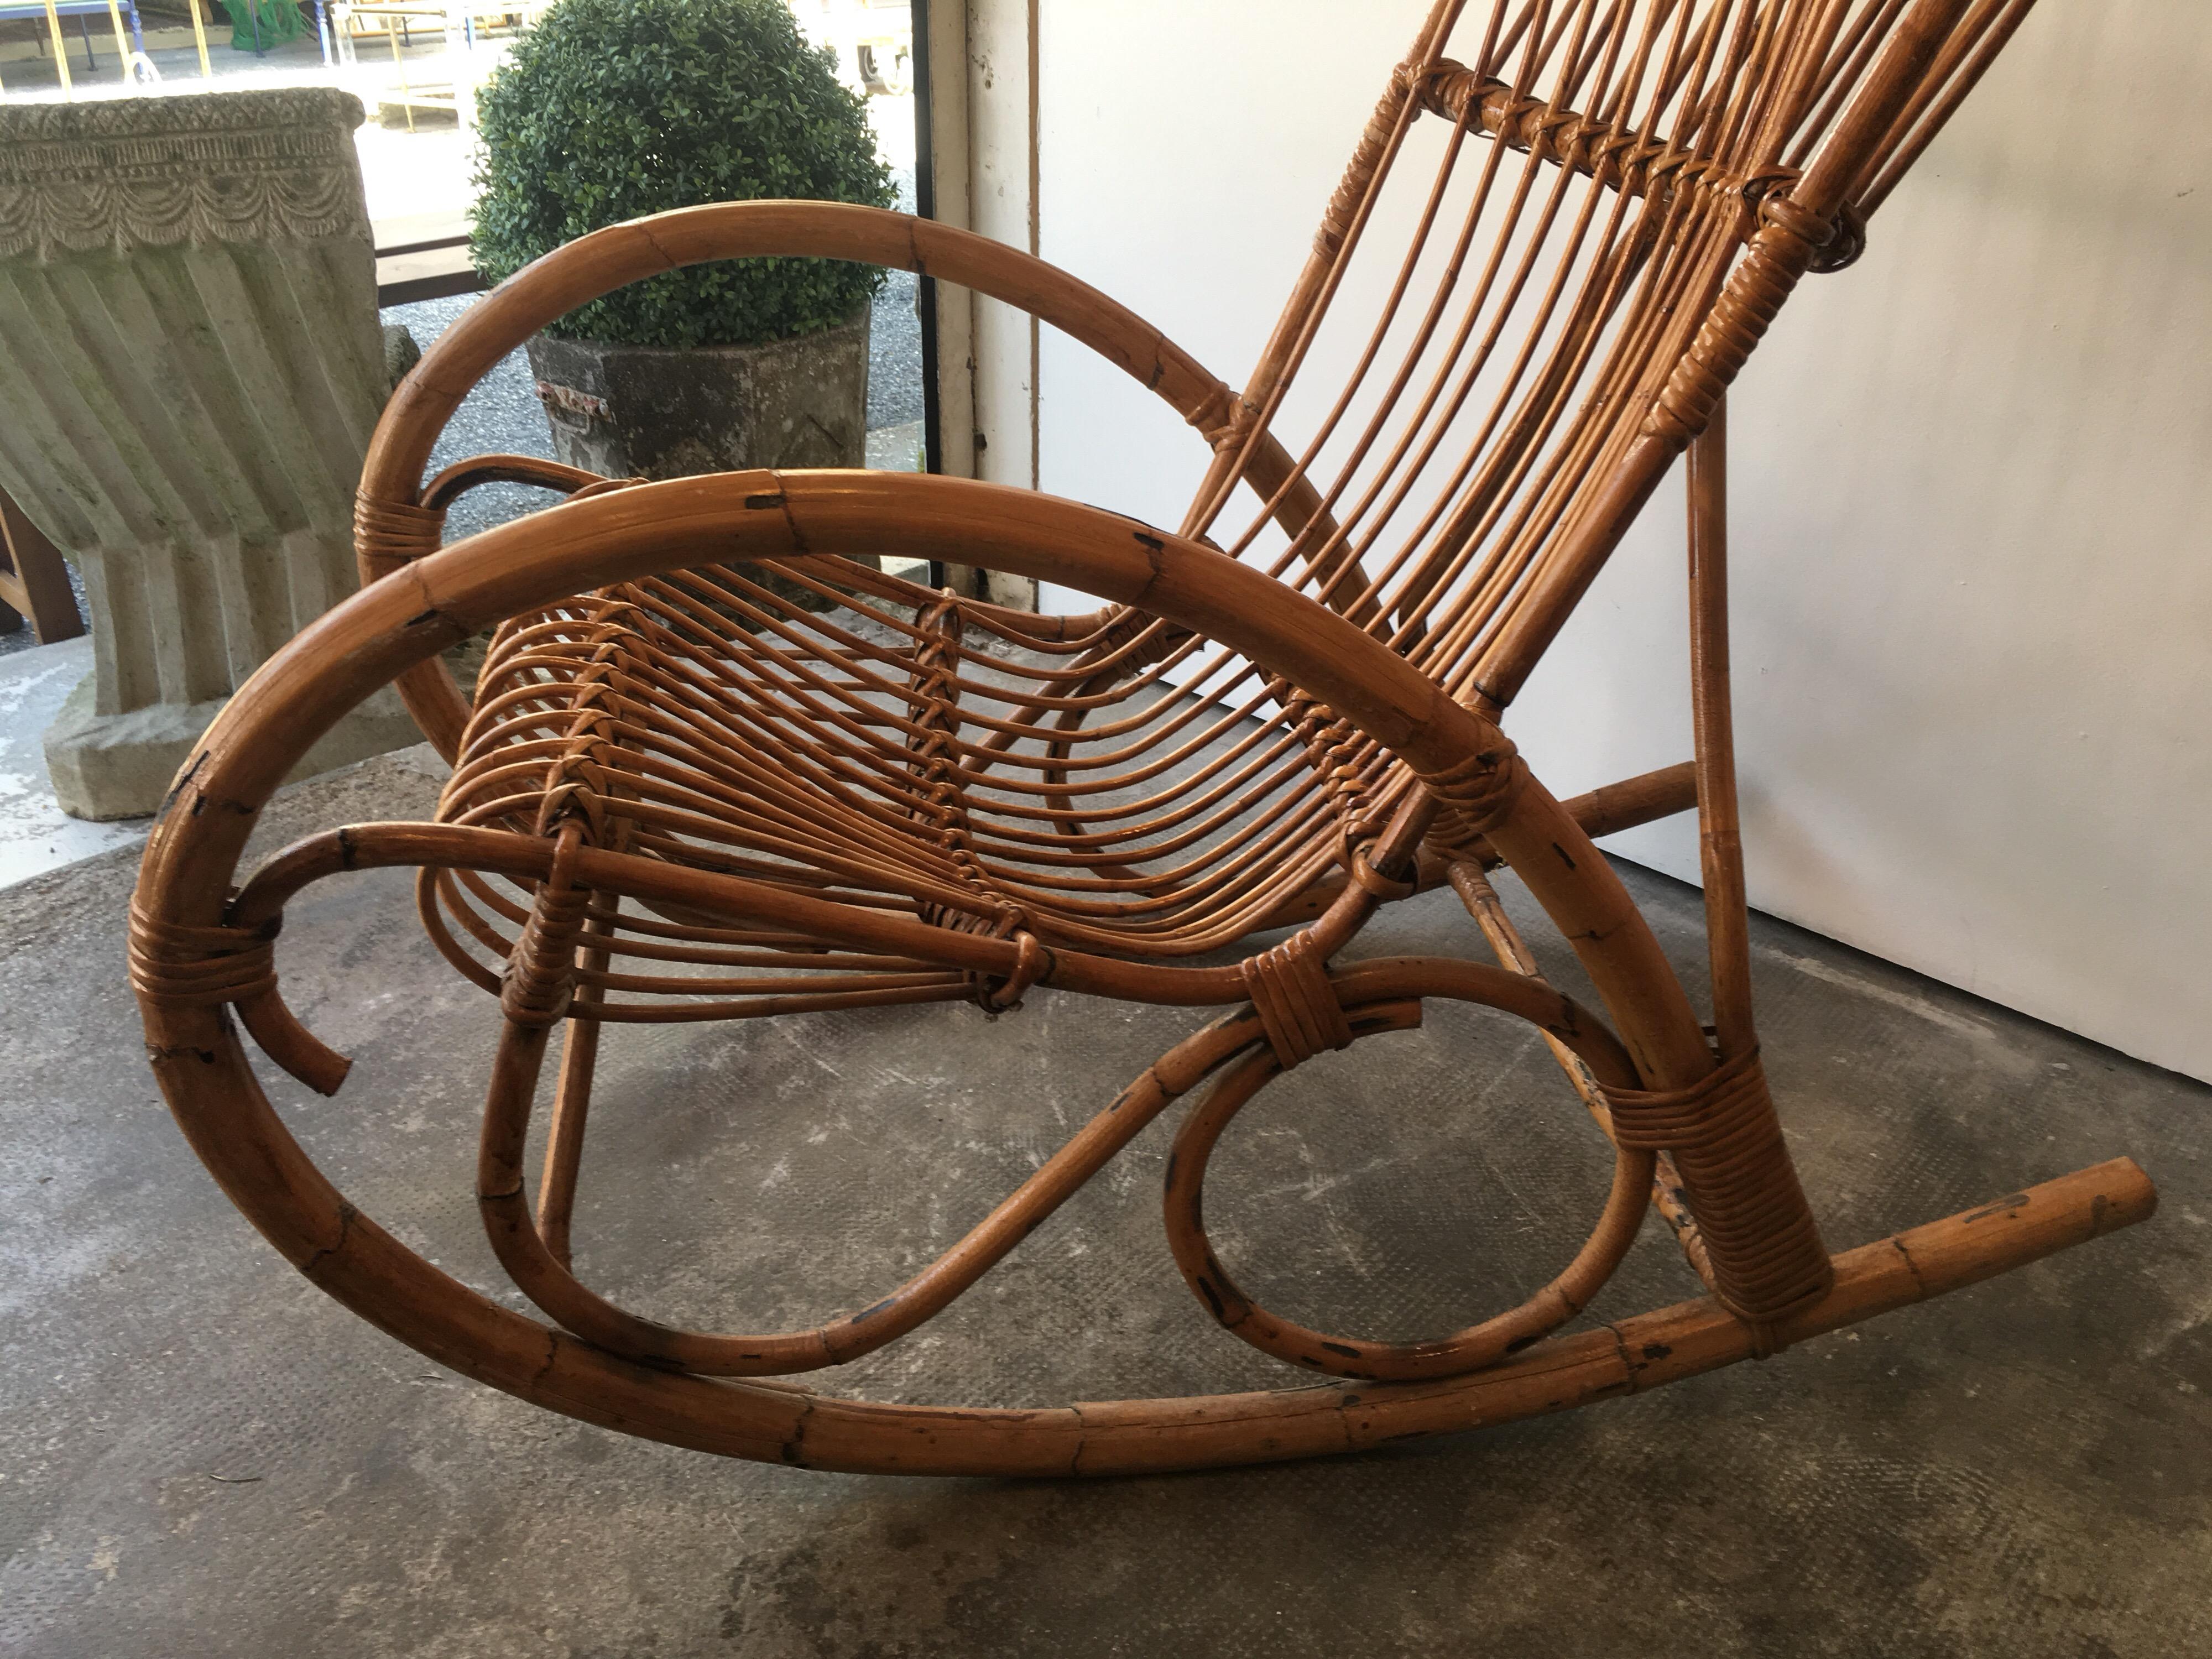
346	1254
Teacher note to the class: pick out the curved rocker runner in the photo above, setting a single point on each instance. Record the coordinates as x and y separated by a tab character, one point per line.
718	764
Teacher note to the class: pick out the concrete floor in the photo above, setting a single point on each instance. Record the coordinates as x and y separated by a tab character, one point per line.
200	1455
35	834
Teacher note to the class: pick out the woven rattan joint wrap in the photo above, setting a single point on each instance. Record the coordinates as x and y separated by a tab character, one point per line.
1788	240
1613	154
1298	1007
1768	1257
933	692
388	535
1474	795
541	974
1359	173
1004	996
1343	758
581	776
1223	418
1389	888
180	966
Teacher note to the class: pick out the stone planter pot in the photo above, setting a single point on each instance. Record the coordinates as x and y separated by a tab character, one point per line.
655	412
628	412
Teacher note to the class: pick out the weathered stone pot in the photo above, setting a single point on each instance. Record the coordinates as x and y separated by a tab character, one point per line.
628	412
656	412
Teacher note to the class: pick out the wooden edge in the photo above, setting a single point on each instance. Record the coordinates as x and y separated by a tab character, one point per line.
36	581
412	232
426	273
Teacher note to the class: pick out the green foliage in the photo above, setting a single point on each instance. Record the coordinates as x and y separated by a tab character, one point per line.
609	109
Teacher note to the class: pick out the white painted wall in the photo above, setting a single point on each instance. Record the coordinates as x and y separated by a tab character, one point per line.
983	121
1972	484
1001	113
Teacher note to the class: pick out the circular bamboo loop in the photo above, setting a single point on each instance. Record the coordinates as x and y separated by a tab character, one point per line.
1464	1351
1379	1001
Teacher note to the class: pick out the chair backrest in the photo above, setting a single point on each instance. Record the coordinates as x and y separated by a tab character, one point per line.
1515	392
1622	194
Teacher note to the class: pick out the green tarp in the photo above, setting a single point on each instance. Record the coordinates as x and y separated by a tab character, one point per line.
278	19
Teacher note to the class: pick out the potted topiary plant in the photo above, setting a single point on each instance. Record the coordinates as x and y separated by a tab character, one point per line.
610	109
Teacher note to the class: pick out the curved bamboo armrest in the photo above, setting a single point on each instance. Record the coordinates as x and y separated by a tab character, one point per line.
396	522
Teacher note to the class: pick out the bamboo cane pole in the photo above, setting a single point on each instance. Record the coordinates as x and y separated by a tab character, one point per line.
1720	838
61	49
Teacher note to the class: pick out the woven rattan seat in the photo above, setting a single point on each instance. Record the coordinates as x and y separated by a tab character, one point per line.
718	763
888	753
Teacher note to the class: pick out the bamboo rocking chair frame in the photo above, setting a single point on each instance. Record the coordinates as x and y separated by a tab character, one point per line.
684	790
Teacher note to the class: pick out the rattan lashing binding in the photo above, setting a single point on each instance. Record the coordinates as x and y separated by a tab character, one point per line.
719	764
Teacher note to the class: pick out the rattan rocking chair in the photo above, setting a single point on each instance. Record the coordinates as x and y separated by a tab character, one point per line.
719	764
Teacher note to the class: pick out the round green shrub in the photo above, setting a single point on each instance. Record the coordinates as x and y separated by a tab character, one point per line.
610	109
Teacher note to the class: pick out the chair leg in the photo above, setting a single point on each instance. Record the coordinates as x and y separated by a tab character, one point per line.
1720	839
564	1140
1475	892
36	581
572	1101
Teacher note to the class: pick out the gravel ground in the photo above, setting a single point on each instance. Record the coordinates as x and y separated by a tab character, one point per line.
895	339
501	416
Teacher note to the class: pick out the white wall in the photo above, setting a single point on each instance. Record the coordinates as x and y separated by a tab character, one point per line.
1972	477
982	117
1001	114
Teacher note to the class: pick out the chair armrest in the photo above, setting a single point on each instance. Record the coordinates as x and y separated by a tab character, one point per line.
606	259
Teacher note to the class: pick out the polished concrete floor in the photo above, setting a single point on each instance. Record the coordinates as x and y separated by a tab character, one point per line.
200	1455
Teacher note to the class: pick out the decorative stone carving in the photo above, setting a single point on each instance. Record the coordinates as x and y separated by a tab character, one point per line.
190	364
